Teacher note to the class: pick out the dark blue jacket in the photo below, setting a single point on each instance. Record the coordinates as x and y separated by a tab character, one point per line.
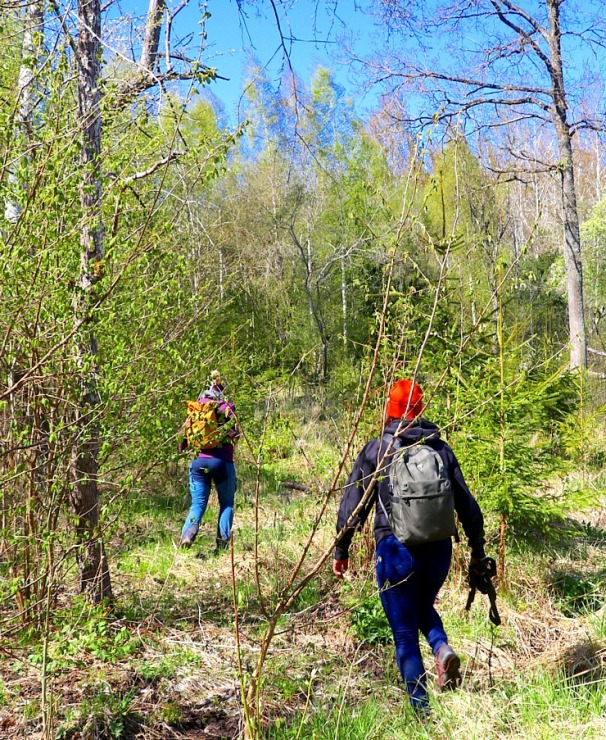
468	511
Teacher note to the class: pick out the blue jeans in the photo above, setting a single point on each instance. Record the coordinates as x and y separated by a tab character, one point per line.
202	472
409	580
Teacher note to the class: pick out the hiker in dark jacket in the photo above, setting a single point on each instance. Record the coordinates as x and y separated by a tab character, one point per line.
409	577
213	465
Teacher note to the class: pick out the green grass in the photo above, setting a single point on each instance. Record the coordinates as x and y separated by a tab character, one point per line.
368	720
542	704
105	714
156	661
535	705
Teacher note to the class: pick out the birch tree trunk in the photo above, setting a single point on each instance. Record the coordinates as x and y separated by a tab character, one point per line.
94	573
344	303
33	26
153	27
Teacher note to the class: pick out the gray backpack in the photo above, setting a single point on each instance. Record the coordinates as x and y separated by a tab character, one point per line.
420	494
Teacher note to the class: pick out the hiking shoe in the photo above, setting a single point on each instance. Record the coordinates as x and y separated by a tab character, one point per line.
188	537
222	544
447	667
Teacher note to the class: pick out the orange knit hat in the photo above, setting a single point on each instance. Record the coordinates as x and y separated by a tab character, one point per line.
405	400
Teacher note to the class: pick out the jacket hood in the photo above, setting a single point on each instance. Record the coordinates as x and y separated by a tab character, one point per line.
215	393
413	431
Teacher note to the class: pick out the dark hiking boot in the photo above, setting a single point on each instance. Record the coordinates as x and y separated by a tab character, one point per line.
222	544
188	537
447	667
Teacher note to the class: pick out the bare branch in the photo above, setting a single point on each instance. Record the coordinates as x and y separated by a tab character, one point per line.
524	35
155	167
473	84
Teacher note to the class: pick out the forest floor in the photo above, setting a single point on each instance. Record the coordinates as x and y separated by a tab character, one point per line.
164	663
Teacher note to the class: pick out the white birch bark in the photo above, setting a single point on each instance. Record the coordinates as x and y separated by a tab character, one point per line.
33	32
344	301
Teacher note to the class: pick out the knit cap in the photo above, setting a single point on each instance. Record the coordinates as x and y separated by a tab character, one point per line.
405	400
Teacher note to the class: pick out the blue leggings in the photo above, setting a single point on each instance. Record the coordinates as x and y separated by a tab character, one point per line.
409	580
202	472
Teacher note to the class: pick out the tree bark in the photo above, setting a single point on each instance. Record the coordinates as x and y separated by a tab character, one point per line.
153	26
344	303
94	573
26	99
572	236
508	81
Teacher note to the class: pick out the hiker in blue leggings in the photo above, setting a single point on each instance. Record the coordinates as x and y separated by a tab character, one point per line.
213	465
409	577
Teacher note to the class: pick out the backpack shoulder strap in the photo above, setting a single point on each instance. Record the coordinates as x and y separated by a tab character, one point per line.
382	505
397	445
397	441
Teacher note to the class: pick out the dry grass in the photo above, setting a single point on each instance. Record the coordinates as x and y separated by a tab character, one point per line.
182	680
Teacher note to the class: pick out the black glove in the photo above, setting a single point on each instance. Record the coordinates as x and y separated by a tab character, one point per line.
481	573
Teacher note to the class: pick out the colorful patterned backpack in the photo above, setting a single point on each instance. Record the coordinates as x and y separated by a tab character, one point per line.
205	426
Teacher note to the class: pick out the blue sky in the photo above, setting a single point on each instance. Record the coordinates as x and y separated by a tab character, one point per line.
241	30
236	35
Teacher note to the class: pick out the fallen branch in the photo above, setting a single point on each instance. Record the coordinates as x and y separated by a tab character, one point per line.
295	486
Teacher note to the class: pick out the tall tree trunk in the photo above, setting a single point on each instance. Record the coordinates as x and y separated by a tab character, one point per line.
344	303
572	257
153	26
145	75
94	573
572	236
33	26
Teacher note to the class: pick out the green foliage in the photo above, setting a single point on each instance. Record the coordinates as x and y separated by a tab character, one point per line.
80	635
171	713
539	300
506	434
367	617
582	441
152	672
169	665
594	233
309	223
266	256
578	593
459	204
107	714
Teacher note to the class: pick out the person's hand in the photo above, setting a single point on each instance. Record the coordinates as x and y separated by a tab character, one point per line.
481	571
482	566
339	567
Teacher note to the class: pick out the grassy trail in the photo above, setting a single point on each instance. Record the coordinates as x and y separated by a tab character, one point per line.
164	665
